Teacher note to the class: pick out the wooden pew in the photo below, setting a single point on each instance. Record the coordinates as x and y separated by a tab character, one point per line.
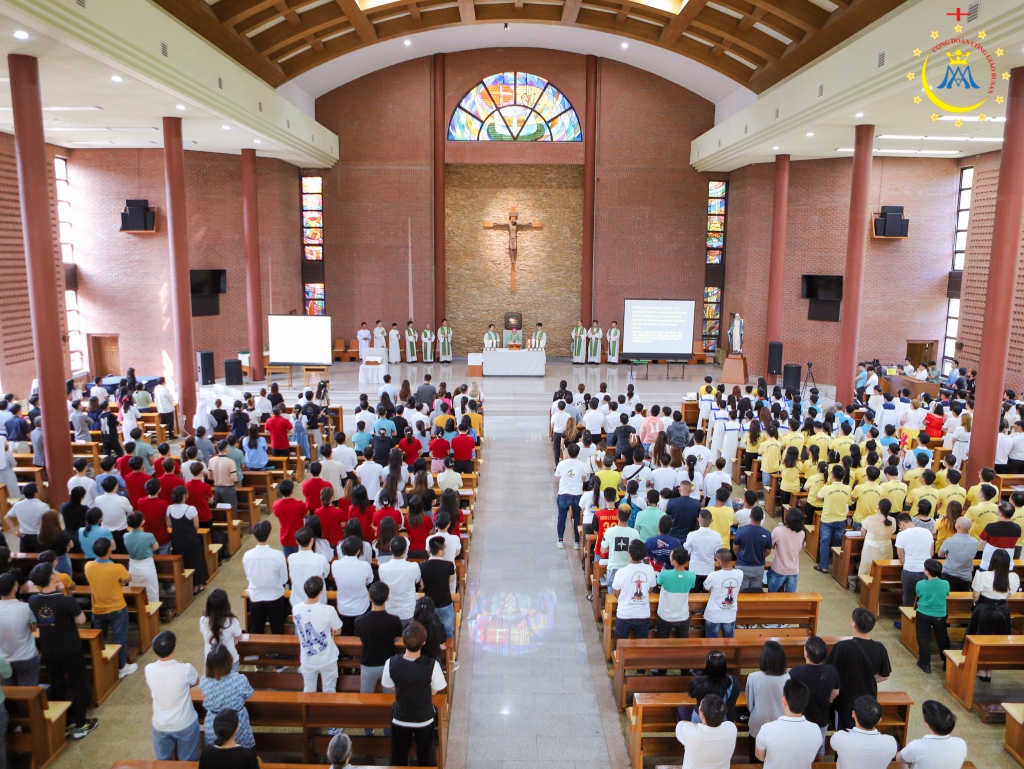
652	721
959	607
248	505
260	481
1005	484
1014	743
90	451
169	568
102	658
297	722
884	586
232	528
40	725
980	652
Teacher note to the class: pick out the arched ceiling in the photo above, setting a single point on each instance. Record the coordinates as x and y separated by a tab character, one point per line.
754	43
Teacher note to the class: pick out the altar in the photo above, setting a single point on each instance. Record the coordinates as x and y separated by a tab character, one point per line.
502	362
373	374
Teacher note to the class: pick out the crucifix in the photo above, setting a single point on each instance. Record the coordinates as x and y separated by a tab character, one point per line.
513	224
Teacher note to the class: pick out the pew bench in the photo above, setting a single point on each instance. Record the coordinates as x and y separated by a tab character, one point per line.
884	586
101	658
170	569
40	725
248	505
1014	742
981	652
959	607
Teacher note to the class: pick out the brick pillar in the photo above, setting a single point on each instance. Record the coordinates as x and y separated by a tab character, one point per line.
181	294
853	281
589	193
1002	278
253	283
41	270
440	134
777	265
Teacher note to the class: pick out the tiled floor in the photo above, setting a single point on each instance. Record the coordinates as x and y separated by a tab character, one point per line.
532	690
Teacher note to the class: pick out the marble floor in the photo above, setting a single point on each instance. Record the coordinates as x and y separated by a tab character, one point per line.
532	689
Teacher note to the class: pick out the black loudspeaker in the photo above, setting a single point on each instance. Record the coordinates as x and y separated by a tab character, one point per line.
791	374
775	357
204	361
233	372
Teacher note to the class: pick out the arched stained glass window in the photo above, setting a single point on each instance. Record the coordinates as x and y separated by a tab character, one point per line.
514	106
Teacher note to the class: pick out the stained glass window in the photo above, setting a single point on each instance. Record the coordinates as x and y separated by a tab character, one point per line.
514	106
314	298
714	253
313	239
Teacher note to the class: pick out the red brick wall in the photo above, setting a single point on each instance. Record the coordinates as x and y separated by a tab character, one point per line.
904	294
124	284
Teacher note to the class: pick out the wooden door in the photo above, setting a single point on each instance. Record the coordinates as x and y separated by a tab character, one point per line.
921	352
104	354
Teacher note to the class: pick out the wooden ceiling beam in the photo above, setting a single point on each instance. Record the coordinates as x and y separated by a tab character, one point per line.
287	13
231	12
313	22
570	10
724	26
414	11
800	13
747	22
358	20
620	17
467	11
675	28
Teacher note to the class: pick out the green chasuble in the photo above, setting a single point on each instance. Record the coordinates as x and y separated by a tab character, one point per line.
444	342
579	335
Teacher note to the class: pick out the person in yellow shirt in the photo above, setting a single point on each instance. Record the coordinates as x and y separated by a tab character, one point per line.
946	526
820	438
985	511
871	460
790	481
913	477
867	495
770	452
925	491
809	459
814	483
951	492
793	438
843	442
109	609
722	514
988	475
872	437
835	508
610	477
1017	500
948	463
894	489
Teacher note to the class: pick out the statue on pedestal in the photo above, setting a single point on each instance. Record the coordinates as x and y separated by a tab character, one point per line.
736	334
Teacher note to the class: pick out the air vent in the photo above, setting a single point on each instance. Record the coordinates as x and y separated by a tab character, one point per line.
744	130
289	122
261	106
163	50
80	3
719	144
881	60
821	90
220	83
776	113
312	138
973	10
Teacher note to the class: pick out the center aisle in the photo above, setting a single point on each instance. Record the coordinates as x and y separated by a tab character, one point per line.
526	689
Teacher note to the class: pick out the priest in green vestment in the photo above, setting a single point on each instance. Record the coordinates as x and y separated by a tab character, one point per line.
579	346
613	337
595	335
444	342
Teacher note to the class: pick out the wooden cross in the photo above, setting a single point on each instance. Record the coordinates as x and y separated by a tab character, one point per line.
513	224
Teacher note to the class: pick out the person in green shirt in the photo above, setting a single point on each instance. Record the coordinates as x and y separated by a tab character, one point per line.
143	449
235	453
674	601
141	545
646	521
931	615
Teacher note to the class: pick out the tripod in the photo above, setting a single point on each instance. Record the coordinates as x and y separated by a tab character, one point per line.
809	380
323	400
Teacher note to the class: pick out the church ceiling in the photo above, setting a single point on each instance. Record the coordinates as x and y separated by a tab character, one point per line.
755	43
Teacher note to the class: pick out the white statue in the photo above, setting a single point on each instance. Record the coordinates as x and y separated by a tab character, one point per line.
736	334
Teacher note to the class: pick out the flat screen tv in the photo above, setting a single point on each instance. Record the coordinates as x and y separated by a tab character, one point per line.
208	281
825	287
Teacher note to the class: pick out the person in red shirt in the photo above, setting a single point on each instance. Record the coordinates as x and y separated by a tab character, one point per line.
200	493
312	486
169	479
135	482
418	528
462	448
291	514
277	428
154	516
385	511
332	518
164	451
410	447
439	449
124	461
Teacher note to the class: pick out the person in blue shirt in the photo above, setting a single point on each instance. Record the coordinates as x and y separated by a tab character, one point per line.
751	544
660	546
255	448
383	421
92	531
862	381
107	465
910	460
361	438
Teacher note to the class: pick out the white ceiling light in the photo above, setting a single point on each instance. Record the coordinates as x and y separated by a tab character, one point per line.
900	136
774	148
256	141
625	45
226	127
117	78
180	107
21	34
810	133
859	114
408	42
844	149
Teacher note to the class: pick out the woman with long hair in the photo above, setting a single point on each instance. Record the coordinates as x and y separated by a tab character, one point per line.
715	679
752	441
787	541
450	504
389	407
353	529
659	448
404	392
255	448
422	487
224	688
962	440
790	481
991	588
387	531
418	527
73	512
878	530
945	527
570	434
320	543
436	634
764	689
410	447
695	478
362	511
185	540
53	537
239	420
219	626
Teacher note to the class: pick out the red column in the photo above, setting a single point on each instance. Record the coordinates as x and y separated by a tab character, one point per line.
589	183
1002	279
181	299
253	284
856	245
440	135
777	264
40	268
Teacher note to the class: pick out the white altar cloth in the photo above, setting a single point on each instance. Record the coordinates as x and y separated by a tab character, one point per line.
514	362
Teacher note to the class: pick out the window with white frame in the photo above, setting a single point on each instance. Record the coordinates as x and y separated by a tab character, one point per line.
963	210
76	340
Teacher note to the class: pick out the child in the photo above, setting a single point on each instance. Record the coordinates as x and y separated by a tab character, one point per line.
931	614
923	519
141	545
316	624
175	722
674	601
661	545
632	584
938	748
415	679
724	587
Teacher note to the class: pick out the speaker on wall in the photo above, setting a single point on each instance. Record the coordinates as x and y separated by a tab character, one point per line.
233	372
204	361
775	357
791	373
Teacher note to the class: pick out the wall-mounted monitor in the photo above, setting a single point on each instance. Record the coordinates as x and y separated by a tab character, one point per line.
208	281
826	287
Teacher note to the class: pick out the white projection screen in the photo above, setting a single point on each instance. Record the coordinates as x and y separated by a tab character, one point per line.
300	340
657	328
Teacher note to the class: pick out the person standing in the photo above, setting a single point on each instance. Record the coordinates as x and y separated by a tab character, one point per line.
863	746
267	573
633	584
380	337
835	508
539	339
401	577
427	338
914	545
436	574
363	336
723	587
790	741
141	545
444	342
958	552
702	545
316	624
304	564
164	402
932	593
27	514
411	338
491	338
822	682
415	680
558	422
862	664
579	343
377	630
175	721
17	646
674	599
570	474
351	576
394	345
613	337
109	610
764	689
752	544
594	337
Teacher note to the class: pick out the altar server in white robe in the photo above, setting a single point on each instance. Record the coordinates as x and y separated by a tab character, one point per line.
491	339
613	337
594	337
411	338
539	338
380	335
427	337
706	400
364	336
962	439
579	343
444	342
394	345
719	416
731	432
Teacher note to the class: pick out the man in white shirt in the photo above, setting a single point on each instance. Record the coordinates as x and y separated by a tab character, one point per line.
558	421
401	576
593	420
570	474
914	546
331	470
790	741
97	391
116	510
175	722
937	749
316	624
267	572
703	453
713	480
370	474
304	564
345	455
17	646
665	476
702	545
711	743
27	514
632	585
872	382
636	419
723	588
863	746
351	576
80	478
388	388
163	401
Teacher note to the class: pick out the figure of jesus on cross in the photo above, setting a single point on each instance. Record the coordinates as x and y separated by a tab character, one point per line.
513	224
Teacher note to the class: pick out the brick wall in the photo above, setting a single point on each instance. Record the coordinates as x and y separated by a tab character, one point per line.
124	286
904	295
549	259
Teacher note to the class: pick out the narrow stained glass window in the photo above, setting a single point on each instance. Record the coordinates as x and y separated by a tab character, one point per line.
312	209
714	254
